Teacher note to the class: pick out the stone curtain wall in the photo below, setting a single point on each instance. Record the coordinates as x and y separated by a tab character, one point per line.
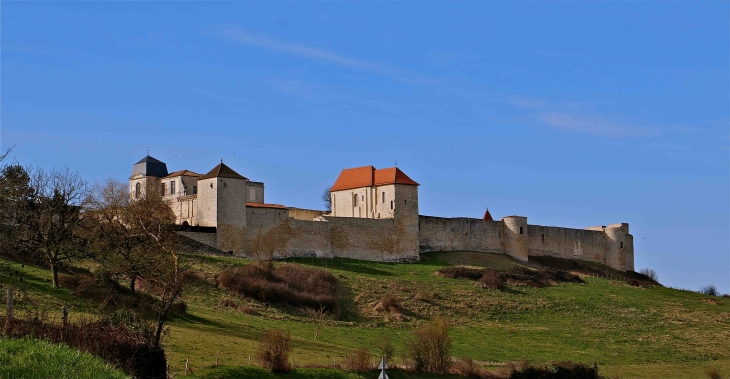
614	247
460	234
567	243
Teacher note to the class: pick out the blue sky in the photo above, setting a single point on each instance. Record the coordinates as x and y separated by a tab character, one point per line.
573	114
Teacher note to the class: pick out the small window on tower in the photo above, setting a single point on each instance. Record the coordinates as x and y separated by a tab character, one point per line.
543	238
195	190
521	230
391	204
405	202
172	188
622	244
383	197
137	190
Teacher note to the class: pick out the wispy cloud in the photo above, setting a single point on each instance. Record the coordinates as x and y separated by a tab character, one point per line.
243	37
595	125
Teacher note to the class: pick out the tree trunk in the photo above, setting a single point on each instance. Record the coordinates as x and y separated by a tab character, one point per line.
131	284
54	274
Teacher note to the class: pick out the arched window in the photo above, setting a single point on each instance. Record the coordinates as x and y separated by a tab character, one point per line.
137	190
354	200
172	188
383	198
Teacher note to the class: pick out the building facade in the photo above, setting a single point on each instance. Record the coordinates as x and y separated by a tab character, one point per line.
374	216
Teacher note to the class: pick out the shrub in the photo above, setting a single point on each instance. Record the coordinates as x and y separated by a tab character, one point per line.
389	303
385	348
122	340
359	361
430	347
247	310
274	349
491	279
641	279
467	368
461	272
288	284
650	273
68	281
713	373
709	290
560	370
227	302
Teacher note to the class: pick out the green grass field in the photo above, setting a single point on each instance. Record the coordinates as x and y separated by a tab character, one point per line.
629	332
34	359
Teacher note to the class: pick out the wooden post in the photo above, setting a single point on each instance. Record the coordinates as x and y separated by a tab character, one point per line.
64	318
249	360
9	311
216	359
187	362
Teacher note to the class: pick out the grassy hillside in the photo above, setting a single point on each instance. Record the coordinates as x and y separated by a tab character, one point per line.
30	359
628	331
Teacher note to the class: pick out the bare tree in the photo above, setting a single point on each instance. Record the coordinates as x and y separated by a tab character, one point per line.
155	221
650	273
319	316
49	218
327	198
117	239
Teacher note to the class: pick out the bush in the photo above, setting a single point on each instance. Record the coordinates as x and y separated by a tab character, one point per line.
491	279
467	368
461	272
560	370
122	340
713	373
640	280
288	284
651	274
710	290
274	349
385	348
389	303
230	303
359	361
430	347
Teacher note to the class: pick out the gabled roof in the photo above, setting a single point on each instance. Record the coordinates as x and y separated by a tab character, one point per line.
368	176
222	171
264	205
182	173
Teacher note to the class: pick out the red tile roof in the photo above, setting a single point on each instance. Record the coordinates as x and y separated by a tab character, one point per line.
222	171
263	205
487	216
182	173
369	176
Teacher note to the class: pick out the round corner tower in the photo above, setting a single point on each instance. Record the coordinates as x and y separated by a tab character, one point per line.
620	254
515	237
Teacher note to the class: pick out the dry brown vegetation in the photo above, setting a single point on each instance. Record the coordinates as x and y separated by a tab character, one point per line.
517	276
359	361
122	339
430	347
288	284
389	303
274	349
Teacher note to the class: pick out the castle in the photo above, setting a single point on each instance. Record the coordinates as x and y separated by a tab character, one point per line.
374	216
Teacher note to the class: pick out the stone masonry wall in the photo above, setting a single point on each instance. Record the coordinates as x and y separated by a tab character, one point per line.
460	234
567	243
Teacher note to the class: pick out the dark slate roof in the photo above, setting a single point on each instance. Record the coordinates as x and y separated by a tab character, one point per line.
222	171
149	166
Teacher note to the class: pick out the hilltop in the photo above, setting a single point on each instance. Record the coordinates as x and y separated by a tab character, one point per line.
628	331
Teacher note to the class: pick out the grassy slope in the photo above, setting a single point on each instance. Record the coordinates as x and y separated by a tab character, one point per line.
634	332
29	359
